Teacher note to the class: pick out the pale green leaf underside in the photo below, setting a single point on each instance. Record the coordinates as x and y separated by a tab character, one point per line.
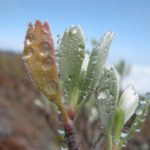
95	67
107	94
72	51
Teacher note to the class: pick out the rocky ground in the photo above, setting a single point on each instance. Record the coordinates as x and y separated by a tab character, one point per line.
26	126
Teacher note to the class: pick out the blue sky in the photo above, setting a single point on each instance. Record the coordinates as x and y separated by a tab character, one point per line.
129	19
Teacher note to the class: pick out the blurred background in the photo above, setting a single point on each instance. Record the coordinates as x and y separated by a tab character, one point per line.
24	120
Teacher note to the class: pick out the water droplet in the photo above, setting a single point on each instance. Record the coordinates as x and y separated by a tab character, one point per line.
94	62
124	145
47	63
84	97
63	147
142	120
123	134
27	42
30	37
102	95
137	130
44	48
61	132
69	78
27	53
139	112
80	49
81	46
74	31
142	102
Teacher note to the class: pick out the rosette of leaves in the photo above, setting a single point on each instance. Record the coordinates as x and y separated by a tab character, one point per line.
79	70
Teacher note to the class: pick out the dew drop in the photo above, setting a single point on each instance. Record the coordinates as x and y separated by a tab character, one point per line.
44	48
123	134
69	78
139	112
124	145
30	37
94	62
137	130
74	31
47	63
84	97
61	132
27	42
63	145
81	46
80	49
28	53
63	148
102	95
142	102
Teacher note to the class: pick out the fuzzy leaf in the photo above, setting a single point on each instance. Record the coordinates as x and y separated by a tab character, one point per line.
95	67
107	94
39	56
72	51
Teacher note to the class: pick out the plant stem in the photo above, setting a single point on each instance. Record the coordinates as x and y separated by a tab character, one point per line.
109	140
69	135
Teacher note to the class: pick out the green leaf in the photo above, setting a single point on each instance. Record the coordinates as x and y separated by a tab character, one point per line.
107	94
72	51
95	67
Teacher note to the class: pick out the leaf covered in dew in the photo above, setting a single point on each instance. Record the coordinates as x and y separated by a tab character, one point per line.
39	56
141	113
72	51
94	70
107	94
